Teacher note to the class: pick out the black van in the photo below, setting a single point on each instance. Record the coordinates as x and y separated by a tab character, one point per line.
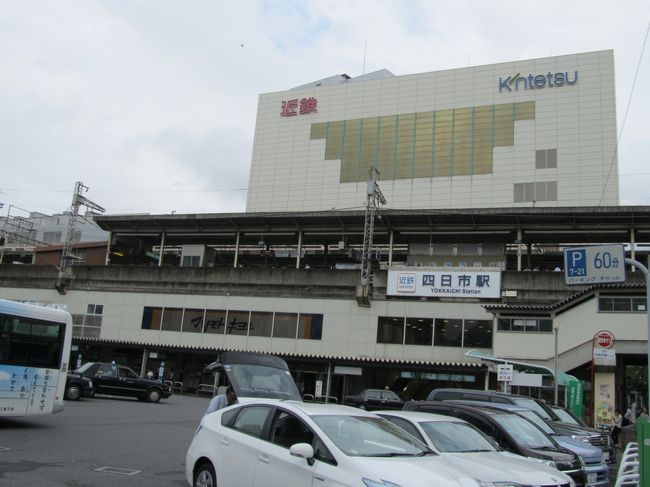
512	432
584	433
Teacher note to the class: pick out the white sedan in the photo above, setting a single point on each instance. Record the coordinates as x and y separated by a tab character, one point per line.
271	442
463	446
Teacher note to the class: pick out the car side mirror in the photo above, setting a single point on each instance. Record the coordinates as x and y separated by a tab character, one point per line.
303	450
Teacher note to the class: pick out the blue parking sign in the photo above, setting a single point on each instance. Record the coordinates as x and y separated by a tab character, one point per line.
576	262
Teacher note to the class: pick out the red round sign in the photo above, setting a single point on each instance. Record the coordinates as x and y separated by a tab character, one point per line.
604	339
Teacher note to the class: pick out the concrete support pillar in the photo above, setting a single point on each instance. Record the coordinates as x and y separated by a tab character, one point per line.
390	250
108	249
632	249
145	359
519	244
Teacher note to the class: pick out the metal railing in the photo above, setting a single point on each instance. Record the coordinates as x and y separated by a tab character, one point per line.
628	472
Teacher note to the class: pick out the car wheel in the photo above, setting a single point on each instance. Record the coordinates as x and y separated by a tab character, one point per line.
205	476
153	395
72	392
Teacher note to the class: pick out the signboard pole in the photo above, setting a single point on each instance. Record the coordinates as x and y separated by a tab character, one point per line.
646	274
555	379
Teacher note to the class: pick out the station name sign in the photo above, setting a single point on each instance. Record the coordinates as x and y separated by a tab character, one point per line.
457	283
537	81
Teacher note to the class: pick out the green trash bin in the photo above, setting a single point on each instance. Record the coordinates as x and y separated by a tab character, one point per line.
643	438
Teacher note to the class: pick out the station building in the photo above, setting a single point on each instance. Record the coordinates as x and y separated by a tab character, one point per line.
488	172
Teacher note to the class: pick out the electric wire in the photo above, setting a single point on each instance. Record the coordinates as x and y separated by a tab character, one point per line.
627	109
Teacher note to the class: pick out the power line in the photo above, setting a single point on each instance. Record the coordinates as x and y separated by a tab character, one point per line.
627	109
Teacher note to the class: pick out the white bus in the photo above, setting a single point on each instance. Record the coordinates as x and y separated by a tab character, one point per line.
34	353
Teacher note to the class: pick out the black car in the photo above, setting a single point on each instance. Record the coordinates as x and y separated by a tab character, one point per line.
77	386
512	432
119	380
371	399
575	430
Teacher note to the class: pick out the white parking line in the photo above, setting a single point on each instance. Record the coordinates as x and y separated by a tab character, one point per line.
117	470
4	448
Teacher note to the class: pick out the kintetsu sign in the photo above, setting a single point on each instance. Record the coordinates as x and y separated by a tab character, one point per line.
291	108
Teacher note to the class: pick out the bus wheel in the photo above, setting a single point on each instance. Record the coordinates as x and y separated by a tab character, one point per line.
73	392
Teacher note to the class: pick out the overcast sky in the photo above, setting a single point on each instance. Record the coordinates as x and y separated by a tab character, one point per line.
152	104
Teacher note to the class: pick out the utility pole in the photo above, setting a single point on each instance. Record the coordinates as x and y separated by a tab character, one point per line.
67	255
374	200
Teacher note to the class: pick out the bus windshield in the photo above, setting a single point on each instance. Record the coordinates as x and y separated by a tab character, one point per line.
34	352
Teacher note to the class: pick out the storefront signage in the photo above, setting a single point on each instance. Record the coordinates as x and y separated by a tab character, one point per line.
295	107
407	374
537	81
445	283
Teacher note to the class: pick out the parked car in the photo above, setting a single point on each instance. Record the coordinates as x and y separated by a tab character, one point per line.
465	447
576	431
513	433
272	438
119	380
596	469
371	399
77	386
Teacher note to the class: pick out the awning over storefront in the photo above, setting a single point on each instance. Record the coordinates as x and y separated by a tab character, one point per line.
562	378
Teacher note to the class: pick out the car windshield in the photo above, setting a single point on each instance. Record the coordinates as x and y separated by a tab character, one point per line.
251	380
363	436
526	434
565	416
533	406
456	437
538	421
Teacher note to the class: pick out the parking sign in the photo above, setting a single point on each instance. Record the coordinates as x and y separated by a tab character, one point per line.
595	264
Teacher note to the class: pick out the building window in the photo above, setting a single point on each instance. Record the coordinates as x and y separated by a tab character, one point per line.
419	331
95	309
285	325
172	319
442	143
191	261
620	304
151	317
477	333
237	323
532	192
215	321
193	320
310	326
261	324
546	159
525	325
390	330
448	332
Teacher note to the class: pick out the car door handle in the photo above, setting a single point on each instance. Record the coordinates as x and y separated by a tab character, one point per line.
263	458
224	442
322	479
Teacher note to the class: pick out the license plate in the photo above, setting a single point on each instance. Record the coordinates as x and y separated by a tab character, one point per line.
592	478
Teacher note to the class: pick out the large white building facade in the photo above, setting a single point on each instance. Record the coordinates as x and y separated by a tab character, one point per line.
541	131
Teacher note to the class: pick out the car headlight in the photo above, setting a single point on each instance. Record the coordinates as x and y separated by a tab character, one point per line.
90	383
379	483
582	438
582	461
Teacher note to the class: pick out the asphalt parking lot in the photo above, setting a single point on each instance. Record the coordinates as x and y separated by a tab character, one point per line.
105	441
71	448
